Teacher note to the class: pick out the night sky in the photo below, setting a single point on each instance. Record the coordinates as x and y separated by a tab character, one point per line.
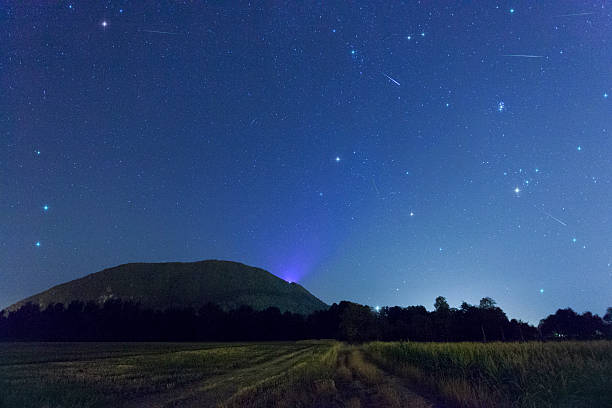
379	152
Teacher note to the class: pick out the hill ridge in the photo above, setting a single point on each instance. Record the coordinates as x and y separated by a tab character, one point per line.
163	285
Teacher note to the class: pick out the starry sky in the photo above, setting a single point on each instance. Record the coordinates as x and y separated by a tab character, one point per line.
379	152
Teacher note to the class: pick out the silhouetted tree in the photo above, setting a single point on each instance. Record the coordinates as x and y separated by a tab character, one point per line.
357	323
567	324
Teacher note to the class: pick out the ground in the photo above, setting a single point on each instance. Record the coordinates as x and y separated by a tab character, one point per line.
313	373
568	374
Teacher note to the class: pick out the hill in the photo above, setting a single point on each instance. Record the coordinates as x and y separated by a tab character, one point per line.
183	284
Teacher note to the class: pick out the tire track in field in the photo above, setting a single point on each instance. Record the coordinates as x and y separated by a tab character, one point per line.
361	384
117	355
218	388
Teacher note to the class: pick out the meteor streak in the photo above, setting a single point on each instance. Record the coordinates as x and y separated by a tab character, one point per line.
159	32
392	80
552	216
523	56
574	14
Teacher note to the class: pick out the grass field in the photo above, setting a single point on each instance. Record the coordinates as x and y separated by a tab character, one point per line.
308	373
565	374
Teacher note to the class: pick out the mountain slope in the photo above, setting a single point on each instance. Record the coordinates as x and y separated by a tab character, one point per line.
178	284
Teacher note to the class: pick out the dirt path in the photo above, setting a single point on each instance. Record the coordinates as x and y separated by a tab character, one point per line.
361	384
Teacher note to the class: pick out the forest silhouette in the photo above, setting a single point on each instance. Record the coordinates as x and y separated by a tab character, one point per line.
116	320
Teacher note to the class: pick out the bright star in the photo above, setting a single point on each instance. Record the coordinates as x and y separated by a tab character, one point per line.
377	308
411	214
45	207
574	240
605	95
501	106
541	290
423	34
512	11
337	159
517	190
104	23
353	52
409	37
579	148
37	152
37	244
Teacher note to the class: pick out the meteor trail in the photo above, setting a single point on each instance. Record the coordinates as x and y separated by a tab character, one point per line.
574	14
392	80
552	216
523	56
556	219
159	32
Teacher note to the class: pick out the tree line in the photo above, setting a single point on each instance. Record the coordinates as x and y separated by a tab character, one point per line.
117	320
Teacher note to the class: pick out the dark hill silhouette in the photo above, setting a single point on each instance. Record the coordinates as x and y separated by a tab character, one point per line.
182	285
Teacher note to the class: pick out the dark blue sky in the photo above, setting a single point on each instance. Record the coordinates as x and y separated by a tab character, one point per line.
379	152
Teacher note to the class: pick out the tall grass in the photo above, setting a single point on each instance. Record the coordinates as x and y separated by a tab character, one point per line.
567	374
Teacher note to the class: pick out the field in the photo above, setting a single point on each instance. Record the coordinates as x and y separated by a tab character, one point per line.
308	373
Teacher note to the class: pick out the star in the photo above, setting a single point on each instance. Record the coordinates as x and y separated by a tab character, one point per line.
337	159
411	214
37	152
501	106
574	240
409	37
517	190
605	95
377	308
353	52
45	207
579	148
37	244
423	34
541	290
104	23
512	11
